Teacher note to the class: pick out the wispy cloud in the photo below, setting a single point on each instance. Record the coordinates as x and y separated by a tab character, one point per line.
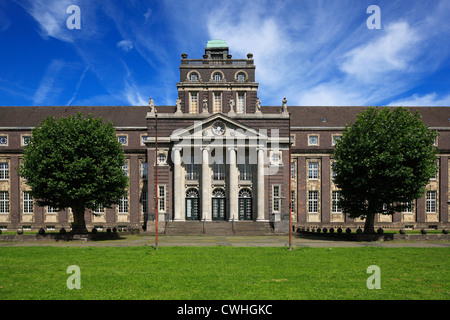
48	87
431	99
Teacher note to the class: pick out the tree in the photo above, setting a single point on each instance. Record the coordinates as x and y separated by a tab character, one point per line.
383	162
74	162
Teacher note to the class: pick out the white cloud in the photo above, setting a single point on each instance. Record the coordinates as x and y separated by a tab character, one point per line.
390	53
125	45
48	87
430	99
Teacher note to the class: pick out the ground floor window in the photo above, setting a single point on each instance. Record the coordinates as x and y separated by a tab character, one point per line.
192	204
218	204
313	201
245	204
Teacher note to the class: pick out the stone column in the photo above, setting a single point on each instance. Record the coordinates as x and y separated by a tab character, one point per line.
178	185
260	187
206	186
233	186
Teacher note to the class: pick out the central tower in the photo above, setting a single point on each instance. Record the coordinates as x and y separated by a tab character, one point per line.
217	83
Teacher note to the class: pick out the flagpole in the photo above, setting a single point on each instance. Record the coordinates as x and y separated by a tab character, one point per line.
156	180
290	187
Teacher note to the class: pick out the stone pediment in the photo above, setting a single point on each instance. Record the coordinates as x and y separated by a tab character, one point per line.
216	127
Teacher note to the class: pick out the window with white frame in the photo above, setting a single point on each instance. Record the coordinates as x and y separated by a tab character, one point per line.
276	198
144	201
27	201
123	139
4	202
193	102
313	140
431	201
240	77
292	170
51	209
125	168
313	170
313	201
99	209
161	198
144	170
123	204
218	171
217	107
408	207
217	77
241	102
335	197
293	197
335	139
4	170
193	77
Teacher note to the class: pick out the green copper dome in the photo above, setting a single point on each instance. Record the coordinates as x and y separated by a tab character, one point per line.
216	44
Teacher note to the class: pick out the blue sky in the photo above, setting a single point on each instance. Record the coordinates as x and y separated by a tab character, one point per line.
311	52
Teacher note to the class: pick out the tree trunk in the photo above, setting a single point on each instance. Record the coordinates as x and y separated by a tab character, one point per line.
369	225
79	224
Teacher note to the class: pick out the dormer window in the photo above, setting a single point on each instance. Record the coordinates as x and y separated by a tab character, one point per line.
193	77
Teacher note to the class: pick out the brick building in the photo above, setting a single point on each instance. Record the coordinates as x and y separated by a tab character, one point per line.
224	162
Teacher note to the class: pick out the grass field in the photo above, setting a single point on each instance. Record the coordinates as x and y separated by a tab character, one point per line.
219	273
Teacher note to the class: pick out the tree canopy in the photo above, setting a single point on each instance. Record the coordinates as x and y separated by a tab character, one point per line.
383	163
74	162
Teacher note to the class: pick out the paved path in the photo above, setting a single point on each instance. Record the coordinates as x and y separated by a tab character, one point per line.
238	241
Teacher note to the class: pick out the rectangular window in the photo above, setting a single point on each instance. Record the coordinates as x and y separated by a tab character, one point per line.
4	171
335	138
335	196
241	102
193	102
51	209
144	201
431	201
409	207
161	198
125	169
276	199
4	202
245	171
292	170
99	209
217	102
293	197
191	171
218	171
123	204
144	170
313	140
313	201
313	170
27	202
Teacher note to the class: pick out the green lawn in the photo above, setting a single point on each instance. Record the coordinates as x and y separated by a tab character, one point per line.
217	273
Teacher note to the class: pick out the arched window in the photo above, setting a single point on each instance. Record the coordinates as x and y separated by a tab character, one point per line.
240	77
193	77
217	77
192	204
245	204
218	204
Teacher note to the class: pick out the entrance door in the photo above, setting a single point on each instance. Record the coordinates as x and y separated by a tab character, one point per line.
218	204
245	204
192	208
